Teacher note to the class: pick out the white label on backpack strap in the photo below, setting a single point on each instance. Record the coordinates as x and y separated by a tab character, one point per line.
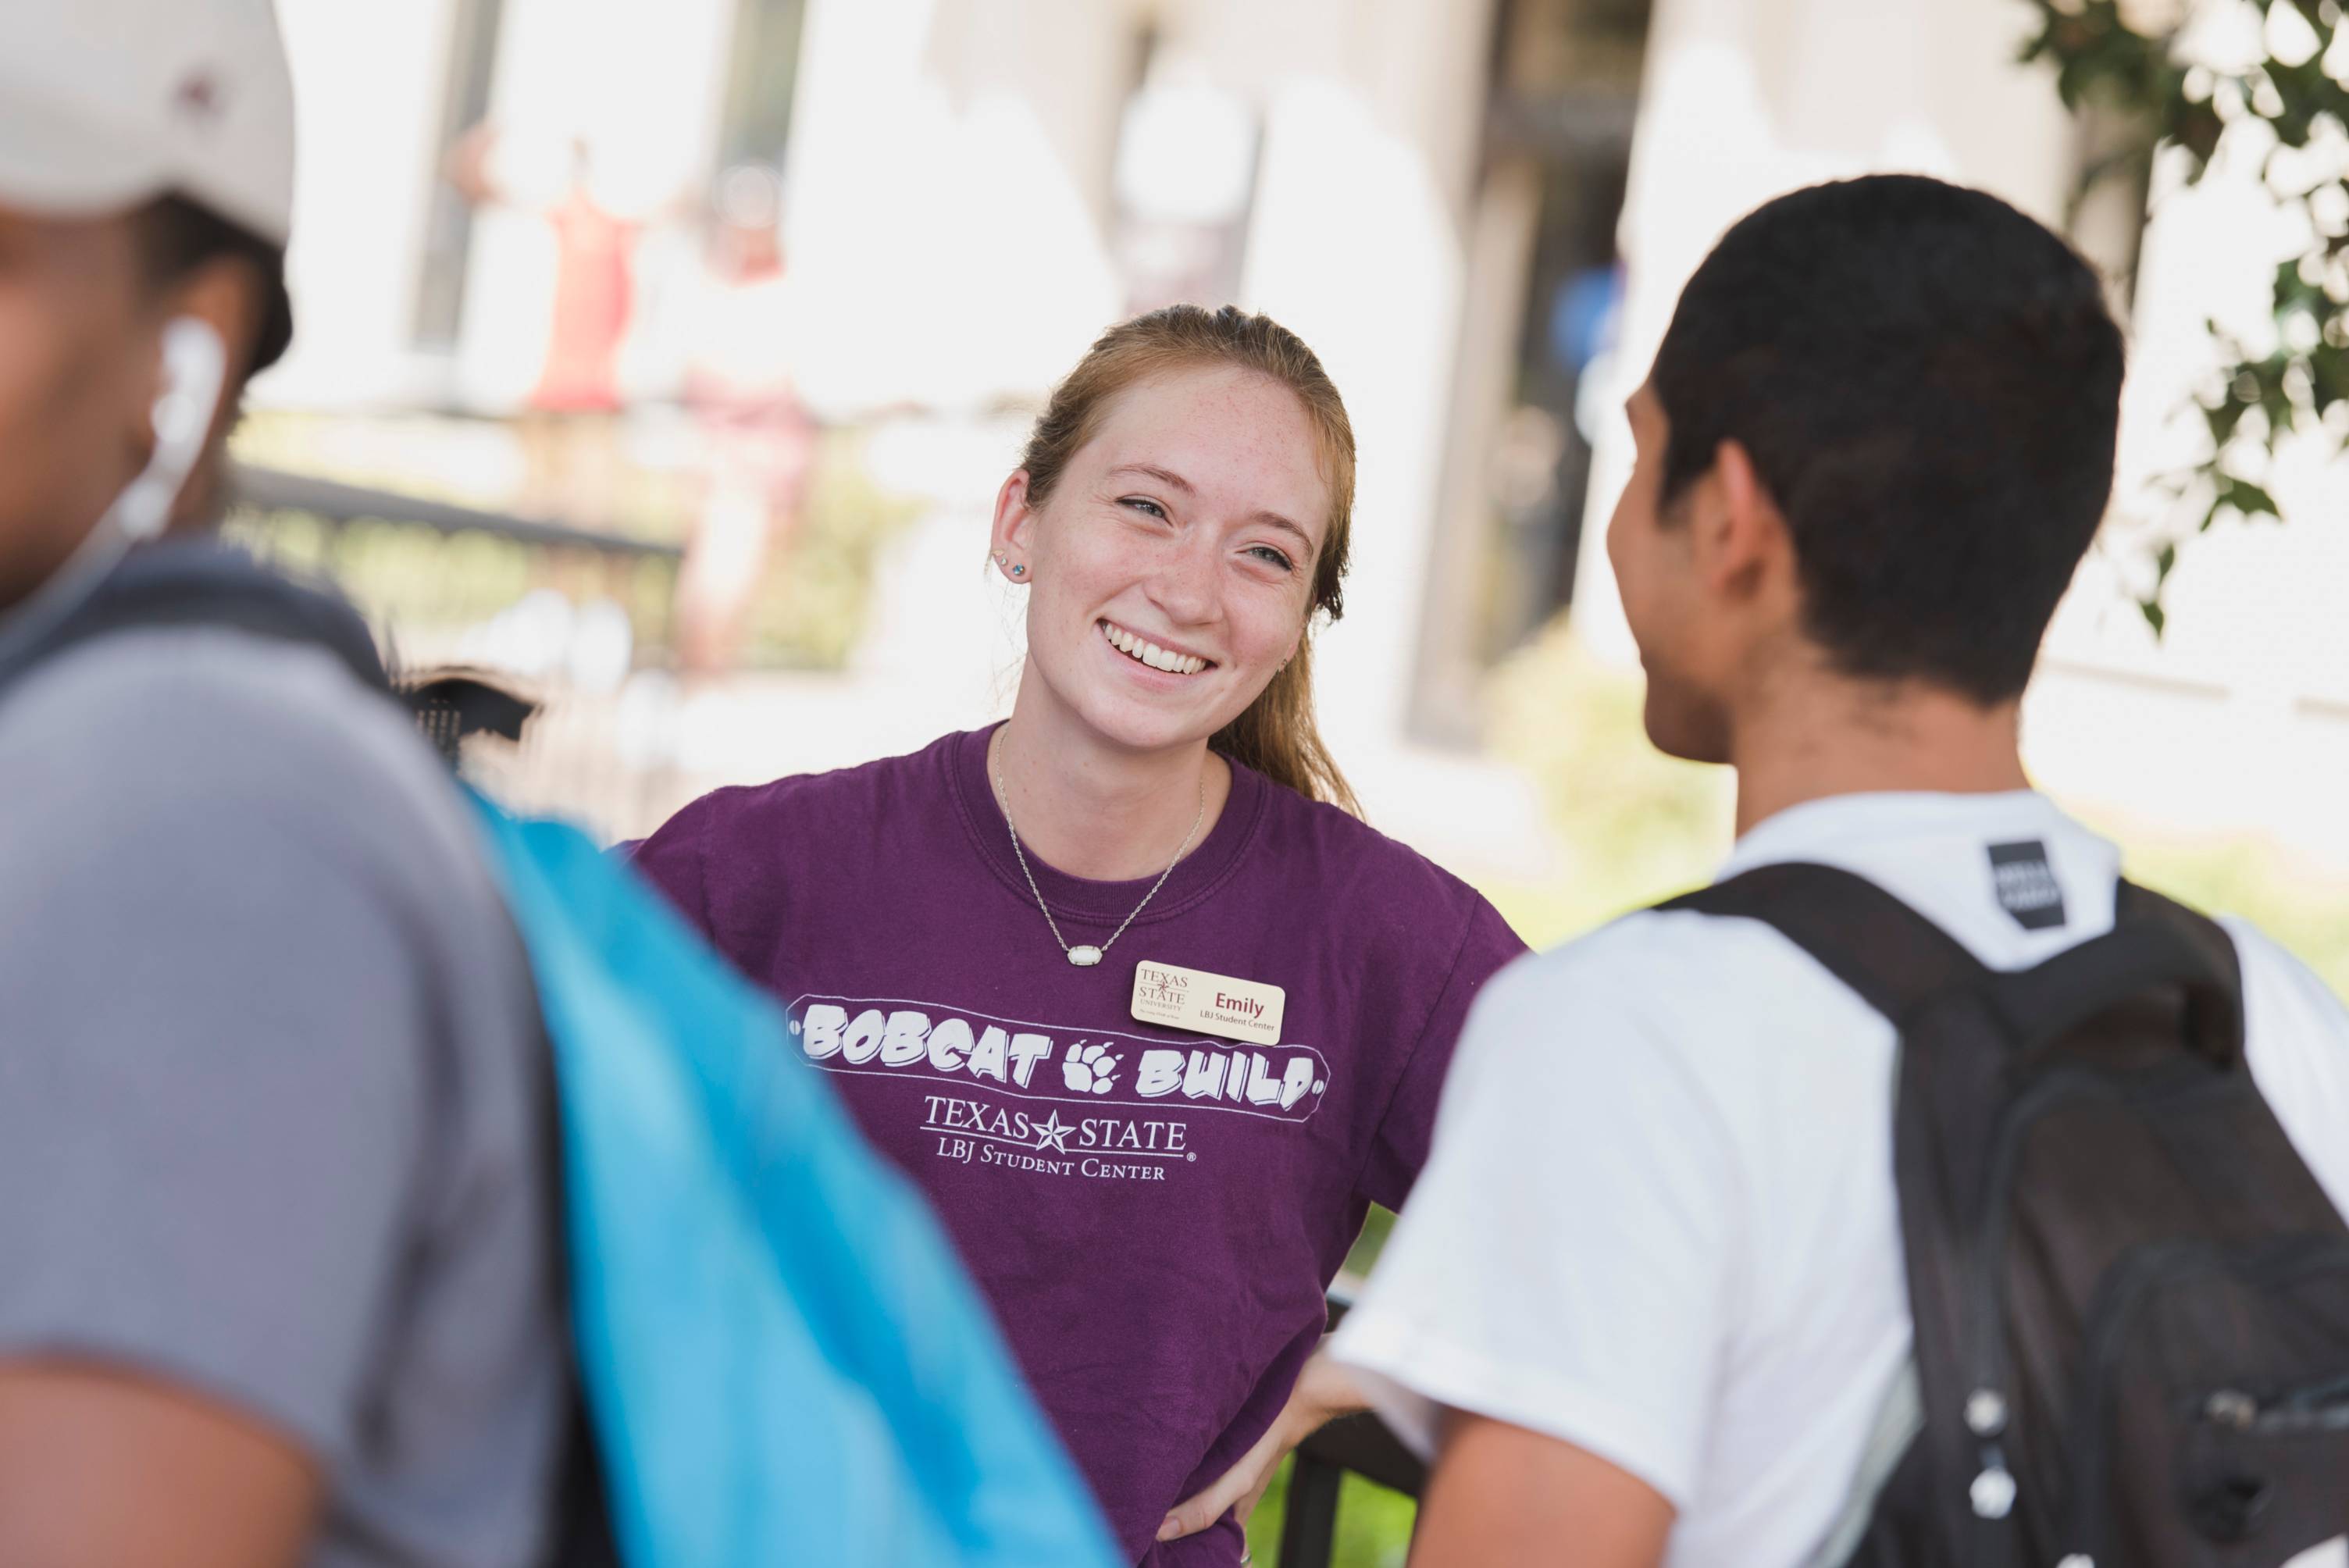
2334	1553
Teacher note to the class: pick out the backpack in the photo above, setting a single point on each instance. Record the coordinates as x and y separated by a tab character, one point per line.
2131	1297
781	1357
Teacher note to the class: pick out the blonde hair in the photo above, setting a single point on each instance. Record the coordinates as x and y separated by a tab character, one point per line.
1275	735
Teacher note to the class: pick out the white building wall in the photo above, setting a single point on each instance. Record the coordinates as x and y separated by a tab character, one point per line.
945	195
1373	117
367	82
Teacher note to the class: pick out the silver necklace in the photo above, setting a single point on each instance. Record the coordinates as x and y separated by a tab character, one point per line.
1084	956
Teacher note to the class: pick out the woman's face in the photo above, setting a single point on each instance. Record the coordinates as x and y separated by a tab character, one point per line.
1171	569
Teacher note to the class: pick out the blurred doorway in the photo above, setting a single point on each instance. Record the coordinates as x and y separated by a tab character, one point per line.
1536	341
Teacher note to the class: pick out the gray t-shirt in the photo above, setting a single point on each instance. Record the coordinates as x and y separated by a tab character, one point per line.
273	1096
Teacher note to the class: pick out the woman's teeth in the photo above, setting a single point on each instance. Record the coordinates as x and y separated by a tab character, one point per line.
1150	652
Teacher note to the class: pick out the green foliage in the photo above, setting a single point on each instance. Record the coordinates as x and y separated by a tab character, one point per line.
1376	1226
1373	1524
1630	824
812	604
421	583
2104	61
2298	904
810	607
1635	827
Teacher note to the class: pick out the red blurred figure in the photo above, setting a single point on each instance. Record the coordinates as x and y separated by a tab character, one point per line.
569	426
758	439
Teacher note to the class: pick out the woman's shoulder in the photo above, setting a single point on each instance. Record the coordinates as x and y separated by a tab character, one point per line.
1346	856
835	798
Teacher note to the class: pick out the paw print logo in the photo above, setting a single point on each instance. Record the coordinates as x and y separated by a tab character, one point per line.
1089	1070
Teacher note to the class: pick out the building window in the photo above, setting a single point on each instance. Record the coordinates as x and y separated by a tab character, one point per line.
1565	94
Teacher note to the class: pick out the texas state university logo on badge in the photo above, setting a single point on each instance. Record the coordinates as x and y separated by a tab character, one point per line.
1057	1100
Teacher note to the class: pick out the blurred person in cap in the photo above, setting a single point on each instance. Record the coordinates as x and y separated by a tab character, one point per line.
274	1150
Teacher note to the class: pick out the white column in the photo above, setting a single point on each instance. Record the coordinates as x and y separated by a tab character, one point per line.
945	195
1358	245
367	85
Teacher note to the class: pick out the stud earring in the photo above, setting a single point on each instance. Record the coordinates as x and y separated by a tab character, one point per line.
1020	571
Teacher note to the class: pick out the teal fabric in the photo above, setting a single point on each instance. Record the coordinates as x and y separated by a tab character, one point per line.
783	1360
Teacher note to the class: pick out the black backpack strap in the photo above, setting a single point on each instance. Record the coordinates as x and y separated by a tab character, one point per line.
1913	973
206	584
2155	944
1894	957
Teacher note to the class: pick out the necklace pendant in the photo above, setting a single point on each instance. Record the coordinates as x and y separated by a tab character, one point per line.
1085	955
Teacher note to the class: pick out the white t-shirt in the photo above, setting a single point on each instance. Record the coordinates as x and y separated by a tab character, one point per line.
1658	1222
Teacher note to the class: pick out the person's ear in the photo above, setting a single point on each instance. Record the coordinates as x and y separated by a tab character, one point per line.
225	296
1743	546
220	302
1011	541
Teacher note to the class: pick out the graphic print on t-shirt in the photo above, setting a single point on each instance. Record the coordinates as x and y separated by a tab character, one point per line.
1053	1100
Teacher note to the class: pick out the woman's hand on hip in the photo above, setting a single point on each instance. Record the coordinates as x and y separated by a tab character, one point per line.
1324	1392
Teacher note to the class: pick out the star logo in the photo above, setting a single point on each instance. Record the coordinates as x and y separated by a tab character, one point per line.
1051	1134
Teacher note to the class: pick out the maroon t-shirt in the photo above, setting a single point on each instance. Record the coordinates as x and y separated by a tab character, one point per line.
1154	1213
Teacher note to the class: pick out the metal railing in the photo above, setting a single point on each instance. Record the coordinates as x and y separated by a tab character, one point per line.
1361	1444
414	563
277	490
579	622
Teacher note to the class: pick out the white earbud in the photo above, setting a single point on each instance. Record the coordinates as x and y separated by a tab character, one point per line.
195	362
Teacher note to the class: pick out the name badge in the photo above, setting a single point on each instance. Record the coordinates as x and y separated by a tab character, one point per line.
1207	1003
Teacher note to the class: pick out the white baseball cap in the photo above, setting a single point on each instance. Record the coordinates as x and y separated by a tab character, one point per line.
105	105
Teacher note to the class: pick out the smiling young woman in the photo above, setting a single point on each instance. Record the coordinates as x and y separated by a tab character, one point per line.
1125	983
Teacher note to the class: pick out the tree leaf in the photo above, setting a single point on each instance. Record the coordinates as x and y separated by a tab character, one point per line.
2196	127
2249	500
2328	369
2222	421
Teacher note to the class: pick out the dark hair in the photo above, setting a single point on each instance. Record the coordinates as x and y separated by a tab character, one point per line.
1929	384
176	236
